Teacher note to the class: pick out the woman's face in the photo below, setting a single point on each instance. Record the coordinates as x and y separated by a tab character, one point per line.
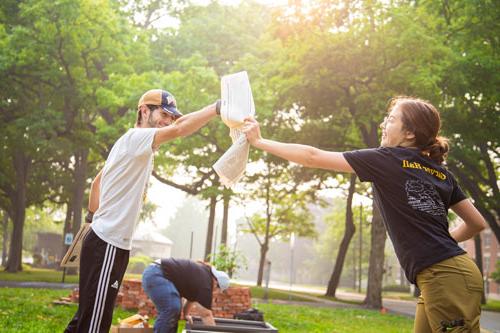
393	134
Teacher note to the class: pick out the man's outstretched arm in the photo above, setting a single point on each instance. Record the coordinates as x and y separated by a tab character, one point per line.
186	125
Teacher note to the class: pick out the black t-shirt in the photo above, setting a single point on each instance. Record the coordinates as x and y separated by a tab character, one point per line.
193	280
414	194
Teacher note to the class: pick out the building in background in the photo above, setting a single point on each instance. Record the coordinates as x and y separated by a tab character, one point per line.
47	250
151	244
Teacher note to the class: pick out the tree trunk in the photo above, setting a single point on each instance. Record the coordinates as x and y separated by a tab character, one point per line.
21	167
492	176
67	226
5	230
344	245
80	176
67	229
265	246
210	229
225	218
373	298
263	252
479	260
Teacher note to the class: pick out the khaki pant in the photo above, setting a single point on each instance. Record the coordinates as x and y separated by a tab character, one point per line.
451	291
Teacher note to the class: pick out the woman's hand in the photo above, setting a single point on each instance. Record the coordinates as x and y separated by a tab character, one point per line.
252	130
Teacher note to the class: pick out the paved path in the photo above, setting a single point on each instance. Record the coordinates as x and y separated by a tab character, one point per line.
44	285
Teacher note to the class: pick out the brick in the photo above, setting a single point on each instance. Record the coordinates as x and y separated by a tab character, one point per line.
132	296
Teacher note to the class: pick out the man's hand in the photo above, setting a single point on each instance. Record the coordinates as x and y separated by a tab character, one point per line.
187	309
208	319
218	106
206	315
89	217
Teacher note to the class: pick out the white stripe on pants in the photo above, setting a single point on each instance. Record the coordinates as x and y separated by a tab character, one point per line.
102	289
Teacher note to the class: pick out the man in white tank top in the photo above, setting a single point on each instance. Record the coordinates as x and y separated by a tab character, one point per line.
115	202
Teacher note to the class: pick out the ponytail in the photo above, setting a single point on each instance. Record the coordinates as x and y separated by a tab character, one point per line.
437	150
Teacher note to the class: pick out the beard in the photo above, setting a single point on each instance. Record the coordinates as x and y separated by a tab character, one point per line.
151	122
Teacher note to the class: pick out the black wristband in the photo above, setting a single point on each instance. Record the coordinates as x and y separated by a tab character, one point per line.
89	217
217	107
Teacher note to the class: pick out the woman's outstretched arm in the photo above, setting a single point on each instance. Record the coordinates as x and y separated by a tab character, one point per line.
302	154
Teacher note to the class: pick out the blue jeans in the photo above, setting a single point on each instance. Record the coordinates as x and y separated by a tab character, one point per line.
165	297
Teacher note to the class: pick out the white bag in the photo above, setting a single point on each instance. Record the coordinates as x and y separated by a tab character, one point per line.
236	105
236	99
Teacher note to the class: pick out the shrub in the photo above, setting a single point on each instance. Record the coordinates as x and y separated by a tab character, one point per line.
137	264
227	260
496	274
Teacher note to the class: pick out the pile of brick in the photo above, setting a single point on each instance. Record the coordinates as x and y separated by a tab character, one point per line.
233	300
131	296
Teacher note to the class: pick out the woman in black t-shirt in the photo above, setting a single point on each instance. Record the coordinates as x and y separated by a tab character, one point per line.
413	191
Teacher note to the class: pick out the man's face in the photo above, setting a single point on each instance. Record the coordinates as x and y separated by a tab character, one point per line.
158	118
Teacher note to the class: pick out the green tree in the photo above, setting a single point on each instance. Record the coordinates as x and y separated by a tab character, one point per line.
56	55
285	209
331	237
470	99
222	34
209	42
343	66
187	230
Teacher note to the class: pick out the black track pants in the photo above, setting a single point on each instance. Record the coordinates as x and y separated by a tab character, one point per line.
102	267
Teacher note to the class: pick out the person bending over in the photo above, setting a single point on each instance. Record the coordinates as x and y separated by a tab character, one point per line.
166	281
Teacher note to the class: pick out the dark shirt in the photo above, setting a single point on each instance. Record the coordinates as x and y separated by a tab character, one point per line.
193	280
413	194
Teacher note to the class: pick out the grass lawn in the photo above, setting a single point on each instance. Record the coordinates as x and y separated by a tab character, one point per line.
31	310
301	319
492	305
